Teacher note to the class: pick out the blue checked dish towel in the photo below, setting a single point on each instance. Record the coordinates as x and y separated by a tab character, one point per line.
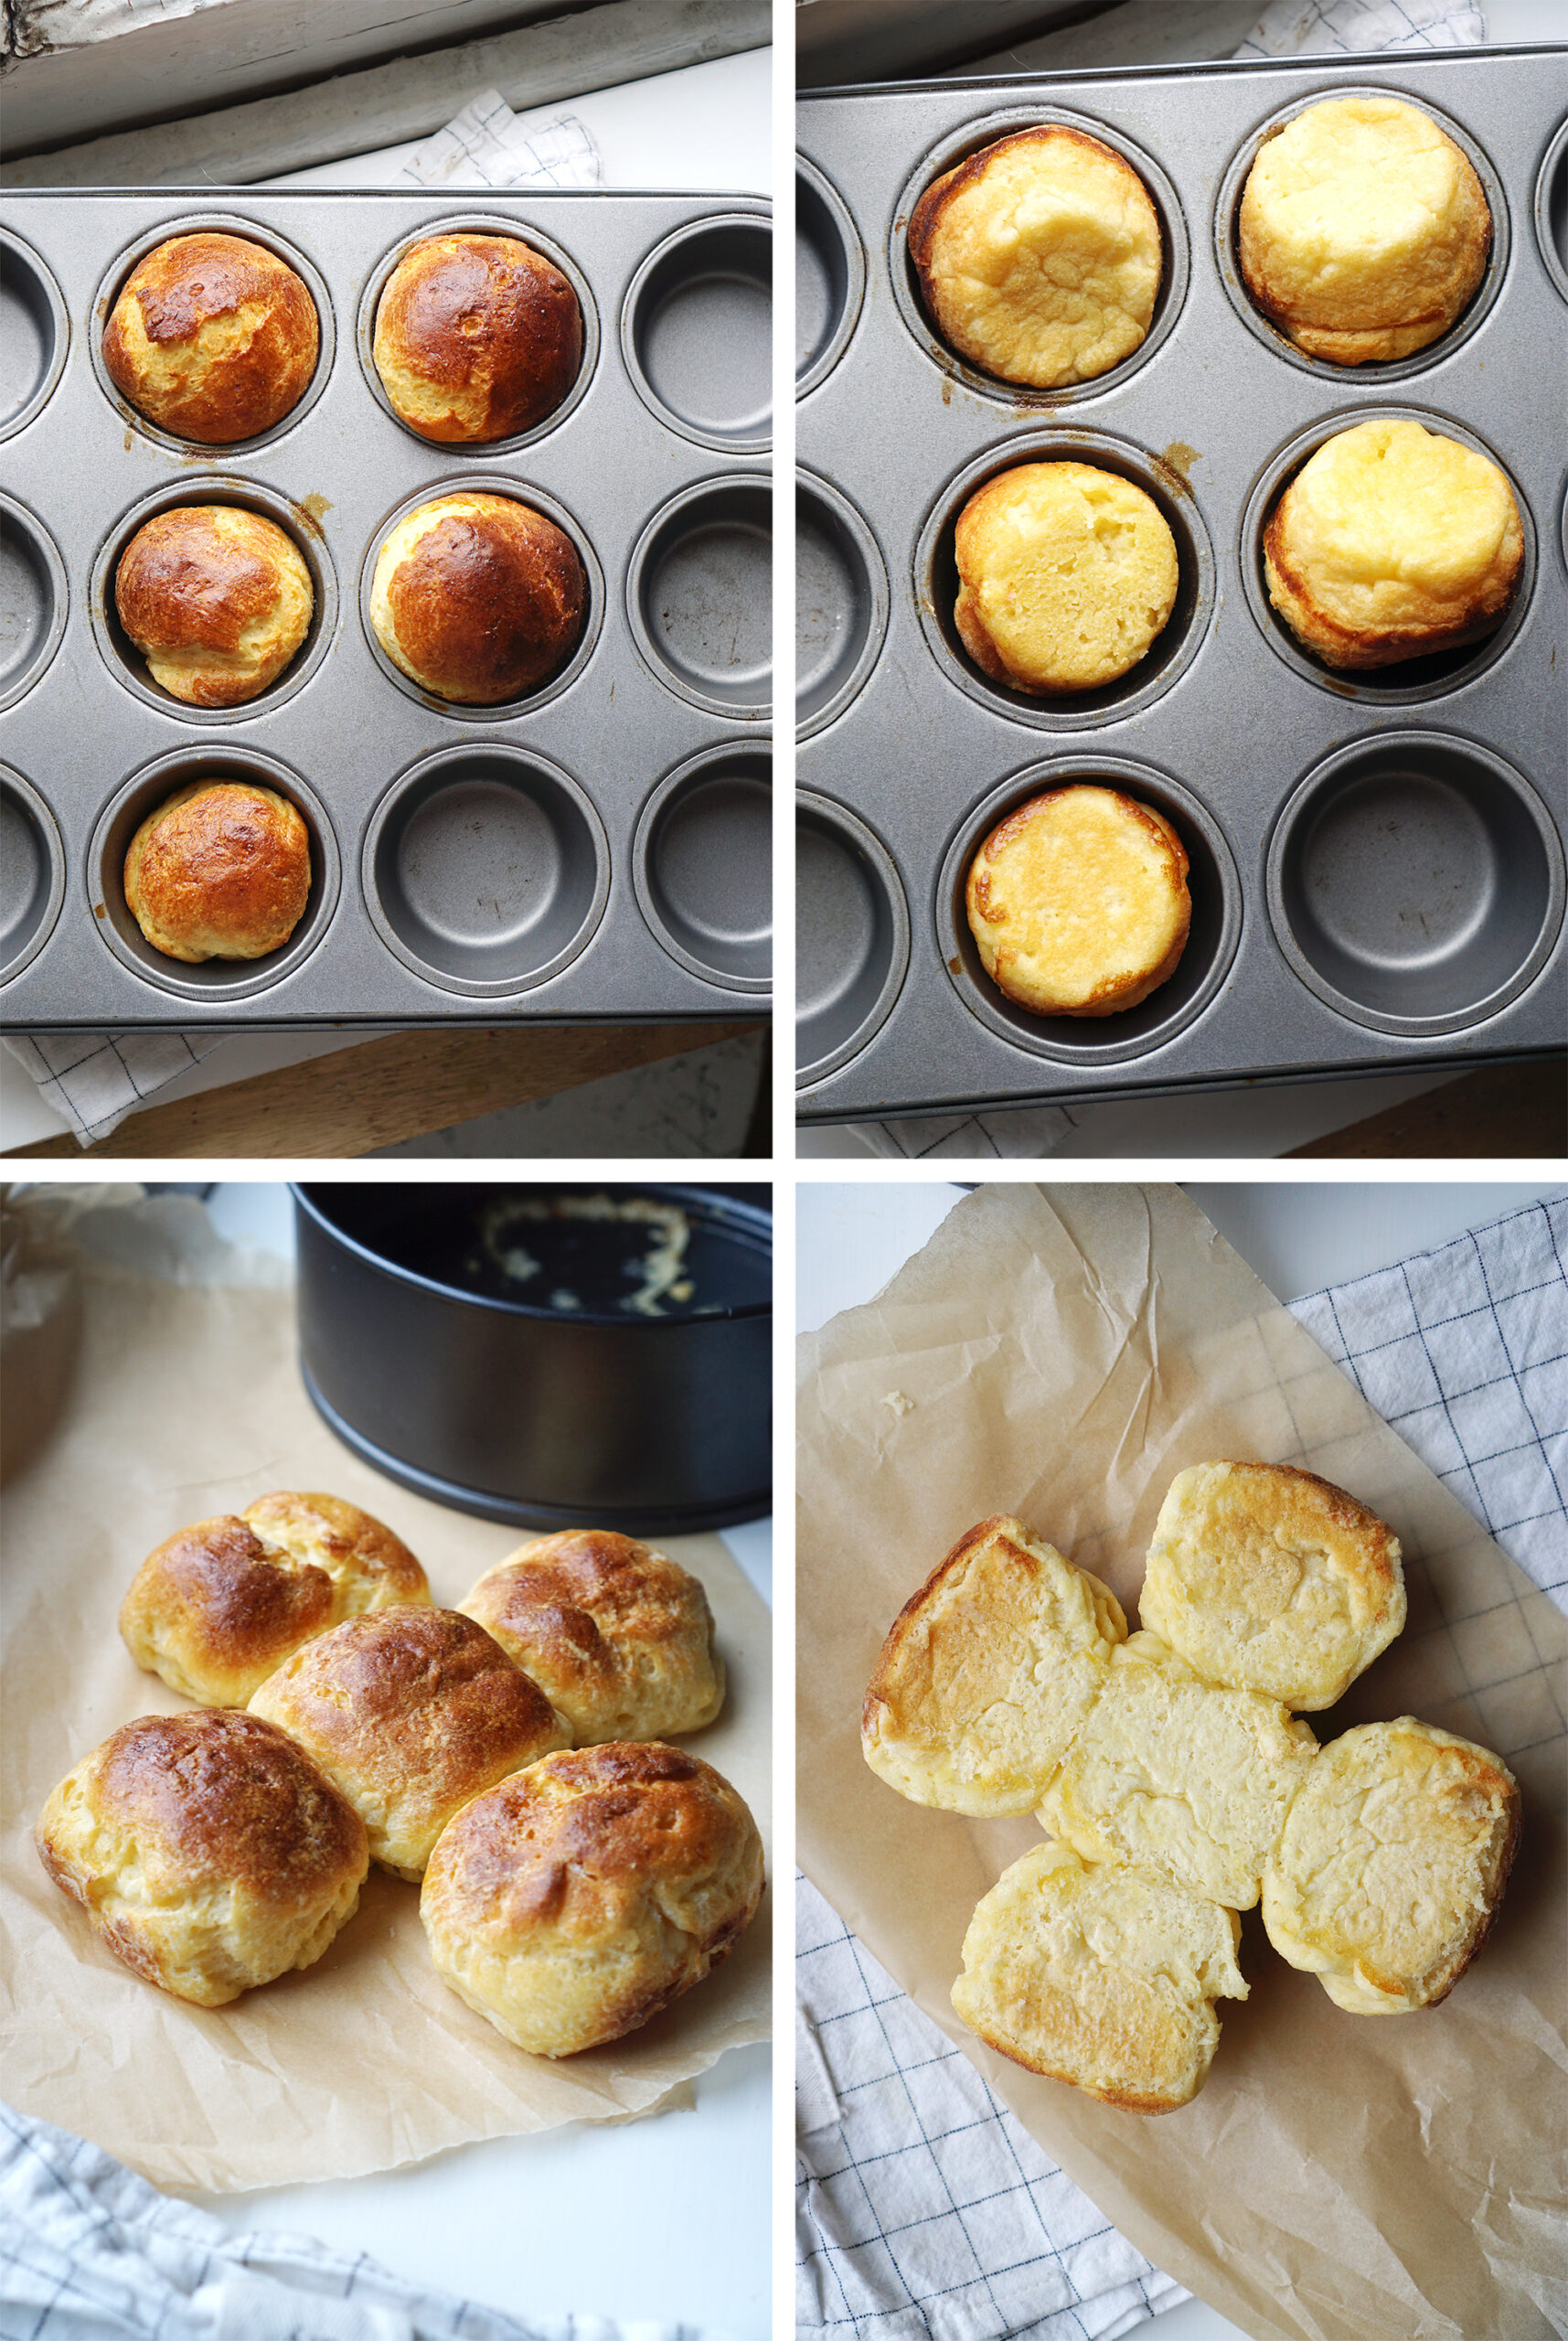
925	2211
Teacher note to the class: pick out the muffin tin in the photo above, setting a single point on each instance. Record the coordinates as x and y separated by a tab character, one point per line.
1377	858
597	849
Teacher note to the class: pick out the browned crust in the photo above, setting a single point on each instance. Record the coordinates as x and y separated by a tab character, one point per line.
486	314
1338	645
178	286
880	1692
413	1694
224	1797
1494	1901
228	861
1125	2101
182	583
582	1836
234	1608
1108	999
347	1534
491	604
1373	1535
926	215
575	1597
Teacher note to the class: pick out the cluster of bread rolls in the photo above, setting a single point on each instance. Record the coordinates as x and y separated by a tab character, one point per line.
578	1873
1179	1783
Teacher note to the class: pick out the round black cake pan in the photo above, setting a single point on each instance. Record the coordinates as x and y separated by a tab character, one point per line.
547	1416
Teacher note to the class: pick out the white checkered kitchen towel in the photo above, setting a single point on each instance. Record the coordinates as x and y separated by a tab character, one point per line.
925	2211
91	2252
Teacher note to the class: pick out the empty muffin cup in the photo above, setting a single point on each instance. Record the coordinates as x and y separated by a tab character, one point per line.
32	872
127	664
1410	680
697	332
1551	210
936	581
1212	883
1415	882
211	980
840	603
852	936
33	599
950	155
700	592
829	276
485	869
34	333
702	864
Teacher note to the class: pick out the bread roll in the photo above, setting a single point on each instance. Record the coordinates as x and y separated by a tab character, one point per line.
1272	1580
217	1608
410	1712
1393	543
1067	576
578	1899
477	598
213	339
987	1672
1363	230
477	338
217	599
1391	1865
219	870
1102	1976
1040	258
206	1850
618	1636
1078	902
1180	1776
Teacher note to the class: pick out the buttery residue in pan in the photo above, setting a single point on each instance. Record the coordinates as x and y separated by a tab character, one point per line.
577	1252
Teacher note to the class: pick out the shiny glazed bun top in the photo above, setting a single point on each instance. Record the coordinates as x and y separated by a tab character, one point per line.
219	870
217	599
478	598
213	339
477	338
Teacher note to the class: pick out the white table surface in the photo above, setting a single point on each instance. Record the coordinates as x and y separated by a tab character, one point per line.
667	2218
851	1239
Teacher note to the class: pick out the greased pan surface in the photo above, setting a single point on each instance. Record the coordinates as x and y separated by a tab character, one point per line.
498	863
1377	859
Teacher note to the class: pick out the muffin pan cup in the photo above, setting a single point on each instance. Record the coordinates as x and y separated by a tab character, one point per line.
530	810
923	752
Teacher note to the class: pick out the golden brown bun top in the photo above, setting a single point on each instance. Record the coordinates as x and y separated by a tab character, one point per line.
1363	230
476	337
203	573
410	1694
1040	258
220	1797
605	1622
220	1580
220	870
212	337
487	600
339	1538
580	1838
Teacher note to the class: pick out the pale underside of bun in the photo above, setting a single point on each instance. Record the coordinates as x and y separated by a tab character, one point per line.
1102	1976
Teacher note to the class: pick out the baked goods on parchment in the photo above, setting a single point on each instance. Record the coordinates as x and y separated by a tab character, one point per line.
1180	1793
208	1850
1040	258
218	1607
578	1898
1272	1579
410	1712
618	1636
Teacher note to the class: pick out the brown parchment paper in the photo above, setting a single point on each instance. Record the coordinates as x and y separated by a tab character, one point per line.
1062	1354
185	1401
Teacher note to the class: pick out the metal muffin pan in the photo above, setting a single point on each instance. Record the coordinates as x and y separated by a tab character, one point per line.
552	859
1377	858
